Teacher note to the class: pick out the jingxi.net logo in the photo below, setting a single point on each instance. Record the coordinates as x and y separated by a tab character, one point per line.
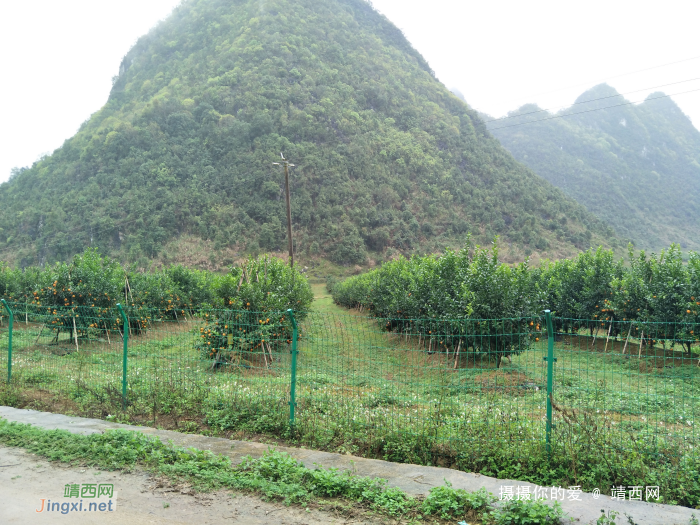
88	497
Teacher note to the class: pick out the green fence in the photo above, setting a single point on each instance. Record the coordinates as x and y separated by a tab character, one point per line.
441	388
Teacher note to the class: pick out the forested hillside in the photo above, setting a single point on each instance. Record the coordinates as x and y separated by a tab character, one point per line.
637	167
387	159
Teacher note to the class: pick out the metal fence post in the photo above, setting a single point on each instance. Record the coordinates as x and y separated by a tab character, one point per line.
9	342
124	358
550	379
293	386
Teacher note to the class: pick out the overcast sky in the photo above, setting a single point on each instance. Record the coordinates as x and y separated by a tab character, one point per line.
58	57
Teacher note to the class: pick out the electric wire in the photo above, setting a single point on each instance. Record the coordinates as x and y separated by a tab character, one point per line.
591	110
607	78
593	100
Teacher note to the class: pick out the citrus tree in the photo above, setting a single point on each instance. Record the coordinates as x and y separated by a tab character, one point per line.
462	299
691	318
252	319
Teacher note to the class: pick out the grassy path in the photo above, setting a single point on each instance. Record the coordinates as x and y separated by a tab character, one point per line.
323	302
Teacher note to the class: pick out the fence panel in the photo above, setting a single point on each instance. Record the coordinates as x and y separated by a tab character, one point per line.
422	390
74	351
6	322
441	388
626	387
231	365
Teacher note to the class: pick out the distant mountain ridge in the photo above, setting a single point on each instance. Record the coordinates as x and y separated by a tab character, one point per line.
636	166
388	160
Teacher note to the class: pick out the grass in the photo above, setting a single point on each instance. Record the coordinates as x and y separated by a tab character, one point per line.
275	476
323	300
366	392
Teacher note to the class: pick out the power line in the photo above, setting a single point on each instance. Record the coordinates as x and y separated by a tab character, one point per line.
590	110
607	78
593	100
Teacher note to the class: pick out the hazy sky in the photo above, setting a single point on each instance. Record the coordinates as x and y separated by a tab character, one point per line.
58	57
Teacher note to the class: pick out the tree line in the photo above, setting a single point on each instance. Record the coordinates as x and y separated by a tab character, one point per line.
81	297
655	297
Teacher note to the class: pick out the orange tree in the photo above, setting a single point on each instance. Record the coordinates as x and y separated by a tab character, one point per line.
77	296
154	296
82	295
654	296
17	285
355	292
464	298
251	317
630	301
577	289
691	316
670	292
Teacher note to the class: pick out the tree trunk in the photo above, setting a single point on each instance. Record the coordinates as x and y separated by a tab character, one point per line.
595	337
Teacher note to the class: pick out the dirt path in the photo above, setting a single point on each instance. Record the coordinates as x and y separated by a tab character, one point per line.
25	479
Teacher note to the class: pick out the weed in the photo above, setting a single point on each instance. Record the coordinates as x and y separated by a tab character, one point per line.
607	518
446	502
373	394
526	512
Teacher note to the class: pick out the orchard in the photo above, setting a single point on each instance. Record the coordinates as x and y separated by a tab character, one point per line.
652	297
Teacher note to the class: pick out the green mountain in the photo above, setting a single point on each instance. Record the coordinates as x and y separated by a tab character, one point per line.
637	167
387	159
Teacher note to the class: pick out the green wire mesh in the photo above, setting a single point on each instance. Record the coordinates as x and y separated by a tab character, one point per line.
631	386
444	387
438	382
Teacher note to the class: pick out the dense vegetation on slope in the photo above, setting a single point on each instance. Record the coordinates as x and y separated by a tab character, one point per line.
386	156
635	166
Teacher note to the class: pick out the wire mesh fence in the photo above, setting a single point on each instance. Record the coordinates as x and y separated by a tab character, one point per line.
445	387
435	381
62	350
632	386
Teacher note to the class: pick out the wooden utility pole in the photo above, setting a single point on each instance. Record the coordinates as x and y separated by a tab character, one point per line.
286	165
